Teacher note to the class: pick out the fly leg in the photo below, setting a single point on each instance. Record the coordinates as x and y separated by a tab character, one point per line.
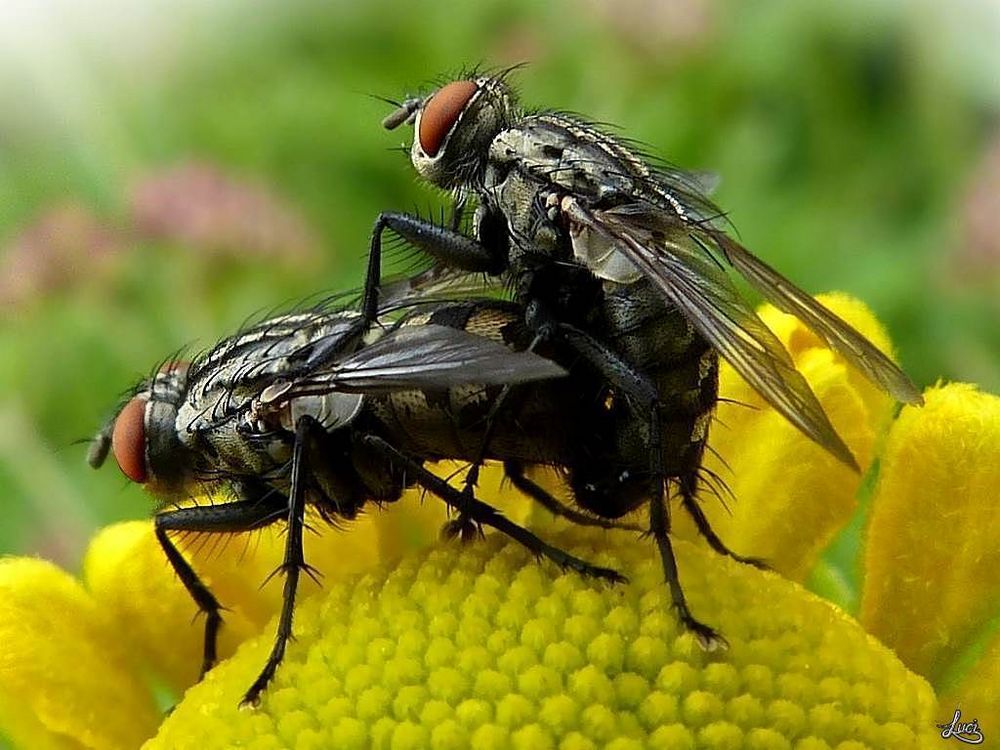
690	502
452	249
448	245
545	329
659	526
294	561
645	399
260	508
461	525
515	472
487	515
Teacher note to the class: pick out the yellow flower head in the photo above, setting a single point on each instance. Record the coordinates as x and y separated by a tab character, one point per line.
478	645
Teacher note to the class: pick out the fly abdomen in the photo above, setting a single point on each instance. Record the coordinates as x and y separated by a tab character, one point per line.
452	422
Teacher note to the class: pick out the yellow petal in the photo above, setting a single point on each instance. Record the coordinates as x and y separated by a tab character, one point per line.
932	554
411	523
65	679
789	496
128	574
977	694
798	339
477	645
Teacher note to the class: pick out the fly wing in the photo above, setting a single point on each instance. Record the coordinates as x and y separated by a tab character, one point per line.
435	284
427	356
838	335
673	257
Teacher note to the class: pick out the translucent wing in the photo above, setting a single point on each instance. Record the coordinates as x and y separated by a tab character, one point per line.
435	284
679	263
432	286
838	335
426	356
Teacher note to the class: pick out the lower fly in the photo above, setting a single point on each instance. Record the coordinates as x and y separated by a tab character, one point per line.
261	416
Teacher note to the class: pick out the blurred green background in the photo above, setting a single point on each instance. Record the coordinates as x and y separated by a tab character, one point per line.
169	169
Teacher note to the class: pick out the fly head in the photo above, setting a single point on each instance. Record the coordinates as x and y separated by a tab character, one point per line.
143	437
453	128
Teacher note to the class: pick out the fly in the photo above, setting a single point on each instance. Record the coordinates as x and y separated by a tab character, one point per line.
249	418
625	262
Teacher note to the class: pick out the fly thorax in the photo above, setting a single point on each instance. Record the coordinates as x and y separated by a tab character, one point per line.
555	154
522	201
560	159
537	151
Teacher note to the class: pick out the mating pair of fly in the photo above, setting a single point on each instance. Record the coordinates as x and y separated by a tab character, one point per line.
602	362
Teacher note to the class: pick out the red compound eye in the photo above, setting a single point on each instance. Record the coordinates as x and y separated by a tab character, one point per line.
128	441
441	112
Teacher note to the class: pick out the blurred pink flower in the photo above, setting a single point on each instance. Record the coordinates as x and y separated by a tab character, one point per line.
980	249
63	245
659	28
198	205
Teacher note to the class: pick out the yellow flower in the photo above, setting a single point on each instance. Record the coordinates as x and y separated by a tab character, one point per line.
478	645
